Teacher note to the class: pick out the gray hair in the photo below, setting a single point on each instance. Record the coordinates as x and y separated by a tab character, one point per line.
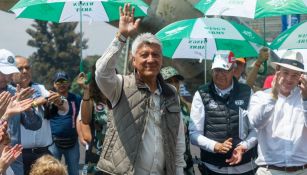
144	38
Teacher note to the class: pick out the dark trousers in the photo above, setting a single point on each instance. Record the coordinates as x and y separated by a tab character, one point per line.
30	155
206	171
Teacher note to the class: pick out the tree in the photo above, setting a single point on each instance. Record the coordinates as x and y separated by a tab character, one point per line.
58	49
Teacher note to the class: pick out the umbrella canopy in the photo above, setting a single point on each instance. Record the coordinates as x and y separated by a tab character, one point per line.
199	38
252	8
69	10
293	38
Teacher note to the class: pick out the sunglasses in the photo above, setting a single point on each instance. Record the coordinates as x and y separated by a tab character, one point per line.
64	82
24	67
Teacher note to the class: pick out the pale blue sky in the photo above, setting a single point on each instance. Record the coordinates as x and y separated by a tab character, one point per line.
13	35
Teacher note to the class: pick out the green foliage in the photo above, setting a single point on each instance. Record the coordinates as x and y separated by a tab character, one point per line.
58	49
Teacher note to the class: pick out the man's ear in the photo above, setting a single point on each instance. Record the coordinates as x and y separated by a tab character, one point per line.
133	61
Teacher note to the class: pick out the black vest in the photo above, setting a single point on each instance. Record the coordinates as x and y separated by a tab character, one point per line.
222	120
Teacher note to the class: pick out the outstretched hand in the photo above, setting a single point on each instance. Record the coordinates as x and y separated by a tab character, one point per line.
127	25
16	107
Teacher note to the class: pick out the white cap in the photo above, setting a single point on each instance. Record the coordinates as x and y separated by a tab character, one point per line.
223	59
7	62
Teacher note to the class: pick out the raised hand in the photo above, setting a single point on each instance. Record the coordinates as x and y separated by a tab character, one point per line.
303	86
263	55
236	156
224	147
81	81
276	85
4	101
127	25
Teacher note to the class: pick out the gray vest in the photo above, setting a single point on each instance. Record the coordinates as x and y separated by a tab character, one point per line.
127	125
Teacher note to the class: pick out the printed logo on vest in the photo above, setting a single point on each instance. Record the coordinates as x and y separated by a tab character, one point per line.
239	102
212	104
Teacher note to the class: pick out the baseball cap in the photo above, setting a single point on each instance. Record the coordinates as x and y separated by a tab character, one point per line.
223	59
7	62
169	72
60	76
242	60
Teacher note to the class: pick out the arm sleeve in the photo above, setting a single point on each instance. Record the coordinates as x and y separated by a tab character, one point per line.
180	149
261	108
107	80
196	126
31	120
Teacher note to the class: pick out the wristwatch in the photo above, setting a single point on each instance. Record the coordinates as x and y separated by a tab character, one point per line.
121	37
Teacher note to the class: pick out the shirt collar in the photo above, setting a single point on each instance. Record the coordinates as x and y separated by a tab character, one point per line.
221	92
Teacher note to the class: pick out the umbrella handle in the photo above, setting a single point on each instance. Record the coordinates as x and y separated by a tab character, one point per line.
88	77
265	68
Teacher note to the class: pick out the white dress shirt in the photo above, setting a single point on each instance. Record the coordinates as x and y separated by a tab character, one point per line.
41	137
281	125
152	158
196	128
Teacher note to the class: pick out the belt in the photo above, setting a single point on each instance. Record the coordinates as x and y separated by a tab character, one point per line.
37	150
284	168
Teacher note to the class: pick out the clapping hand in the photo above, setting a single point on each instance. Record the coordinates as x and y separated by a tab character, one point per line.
4	101
9	155
224	147
24	93
236	156
16	107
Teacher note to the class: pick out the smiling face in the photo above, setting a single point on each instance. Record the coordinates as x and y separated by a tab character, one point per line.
222	78
148	60
288	80
24	77
61	86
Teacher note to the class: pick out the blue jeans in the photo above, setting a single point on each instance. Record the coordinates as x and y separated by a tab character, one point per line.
71	155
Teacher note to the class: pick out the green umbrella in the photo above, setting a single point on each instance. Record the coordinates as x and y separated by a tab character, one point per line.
199	38
70	10
293	38
252	8
76	11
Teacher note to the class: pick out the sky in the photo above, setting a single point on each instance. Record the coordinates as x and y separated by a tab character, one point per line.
13	35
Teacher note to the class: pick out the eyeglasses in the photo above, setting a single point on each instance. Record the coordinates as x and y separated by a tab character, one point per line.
222	71
62	82
172	80
24	67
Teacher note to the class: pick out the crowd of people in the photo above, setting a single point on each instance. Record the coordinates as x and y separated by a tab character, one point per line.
140	124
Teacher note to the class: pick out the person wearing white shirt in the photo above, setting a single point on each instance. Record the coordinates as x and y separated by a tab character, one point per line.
280	116
35	143
215	121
